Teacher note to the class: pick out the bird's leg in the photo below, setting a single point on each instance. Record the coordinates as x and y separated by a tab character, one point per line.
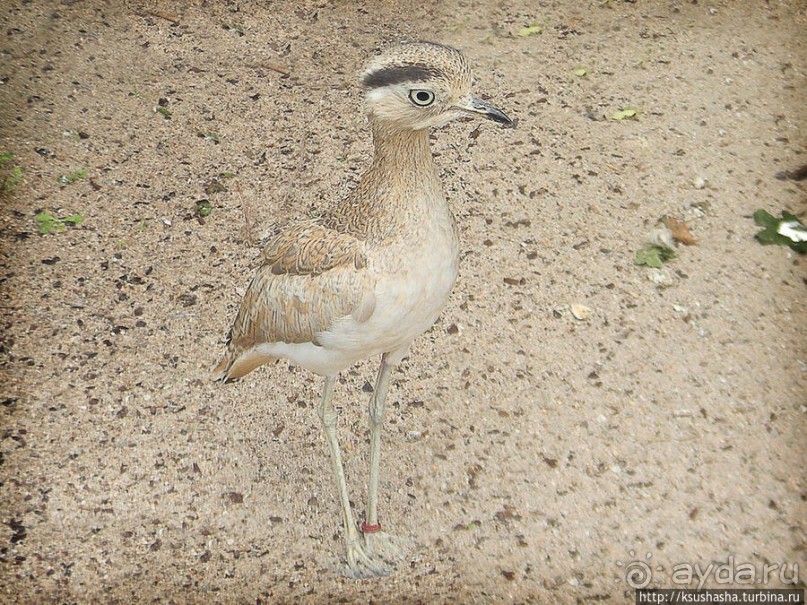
376	414
359	564
378	543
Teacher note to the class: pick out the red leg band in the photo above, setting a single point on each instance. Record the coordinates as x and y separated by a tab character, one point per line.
370	529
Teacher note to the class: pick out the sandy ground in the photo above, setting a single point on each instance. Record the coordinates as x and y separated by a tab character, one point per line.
533	456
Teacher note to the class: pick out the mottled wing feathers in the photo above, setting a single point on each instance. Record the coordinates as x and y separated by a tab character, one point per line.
310	277
310	249
294	308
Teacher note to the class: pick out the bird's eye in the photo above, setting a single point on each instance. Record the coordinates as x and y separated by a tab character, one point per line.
421	98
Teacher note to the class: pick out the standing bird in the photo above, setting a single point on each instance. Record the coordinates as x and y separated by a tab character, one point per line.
373	272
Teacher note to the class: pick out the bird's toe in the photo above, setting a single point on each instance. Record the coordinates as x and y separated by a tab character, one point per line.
361	566
392	549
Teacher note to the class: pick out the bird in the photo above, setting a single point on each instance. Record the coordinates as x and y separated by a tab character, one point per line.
371	273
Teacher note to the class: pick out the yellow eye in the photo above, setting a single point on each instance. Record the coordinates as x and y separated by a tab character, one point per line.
421	98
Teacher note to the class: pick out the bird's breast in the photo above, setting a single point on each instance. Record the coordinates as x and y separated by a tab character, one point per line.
414	275
415	278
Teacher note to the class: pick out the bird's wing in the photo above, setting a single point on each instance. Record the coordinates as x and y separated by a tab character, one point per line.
310	276
310	248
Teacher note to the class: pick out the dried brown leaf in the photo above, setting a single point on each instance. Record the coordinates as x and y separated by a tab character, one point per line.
680	231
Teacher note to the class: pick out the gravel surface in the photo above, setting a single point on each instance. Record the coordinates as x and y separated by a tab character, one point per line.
572	419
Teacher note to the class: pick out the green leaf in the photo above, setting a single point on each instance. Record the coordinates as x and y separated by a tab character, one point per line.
643	257
764	219
532	28
45	222
775	229
203	208
67	179
580	72
164	111
74	219
625	114
5	157
654	256
10	182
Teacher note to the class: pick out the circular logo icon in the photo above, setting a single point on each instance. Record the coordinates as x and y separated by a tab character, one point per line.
638	574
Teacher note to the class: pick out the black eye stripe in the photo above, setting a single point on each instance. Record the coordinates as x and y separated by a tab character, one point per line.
388	76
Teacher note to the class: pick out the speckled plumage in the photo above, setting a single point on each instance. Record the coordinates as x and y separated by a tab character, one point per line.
320	275
374	271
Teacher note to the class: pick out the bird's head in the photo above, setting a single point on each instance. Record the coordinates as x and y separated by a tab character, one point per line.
422	85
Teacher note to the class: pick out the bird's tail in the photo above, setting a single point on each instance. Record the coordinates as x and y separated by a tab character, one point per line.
239	363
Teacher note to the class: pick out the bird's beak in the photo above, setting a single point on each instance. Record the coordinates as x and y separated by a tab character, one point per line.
491	112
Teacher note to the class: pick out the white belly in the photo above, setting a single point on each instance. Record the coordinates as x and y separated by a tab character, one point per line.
409	299
413	284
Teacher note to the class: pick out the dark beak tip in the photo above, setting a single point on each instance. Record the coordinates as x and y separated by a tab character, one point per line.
502	119
491	112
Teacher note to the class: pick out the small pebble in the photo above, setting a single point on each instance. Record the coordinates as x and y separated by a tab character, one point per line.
660	277
581	312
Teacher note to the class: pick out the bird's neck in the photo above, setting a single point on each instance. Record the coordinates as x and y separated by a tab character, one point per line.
401	188
405	181
403	155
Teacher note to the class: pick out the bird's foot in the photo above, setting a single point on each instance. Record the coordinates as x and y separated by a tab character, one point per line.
389	548
360	565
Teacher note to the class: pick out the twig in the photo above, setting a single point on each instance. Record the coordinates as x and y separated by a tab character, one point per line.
166	16
248	235
273	67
